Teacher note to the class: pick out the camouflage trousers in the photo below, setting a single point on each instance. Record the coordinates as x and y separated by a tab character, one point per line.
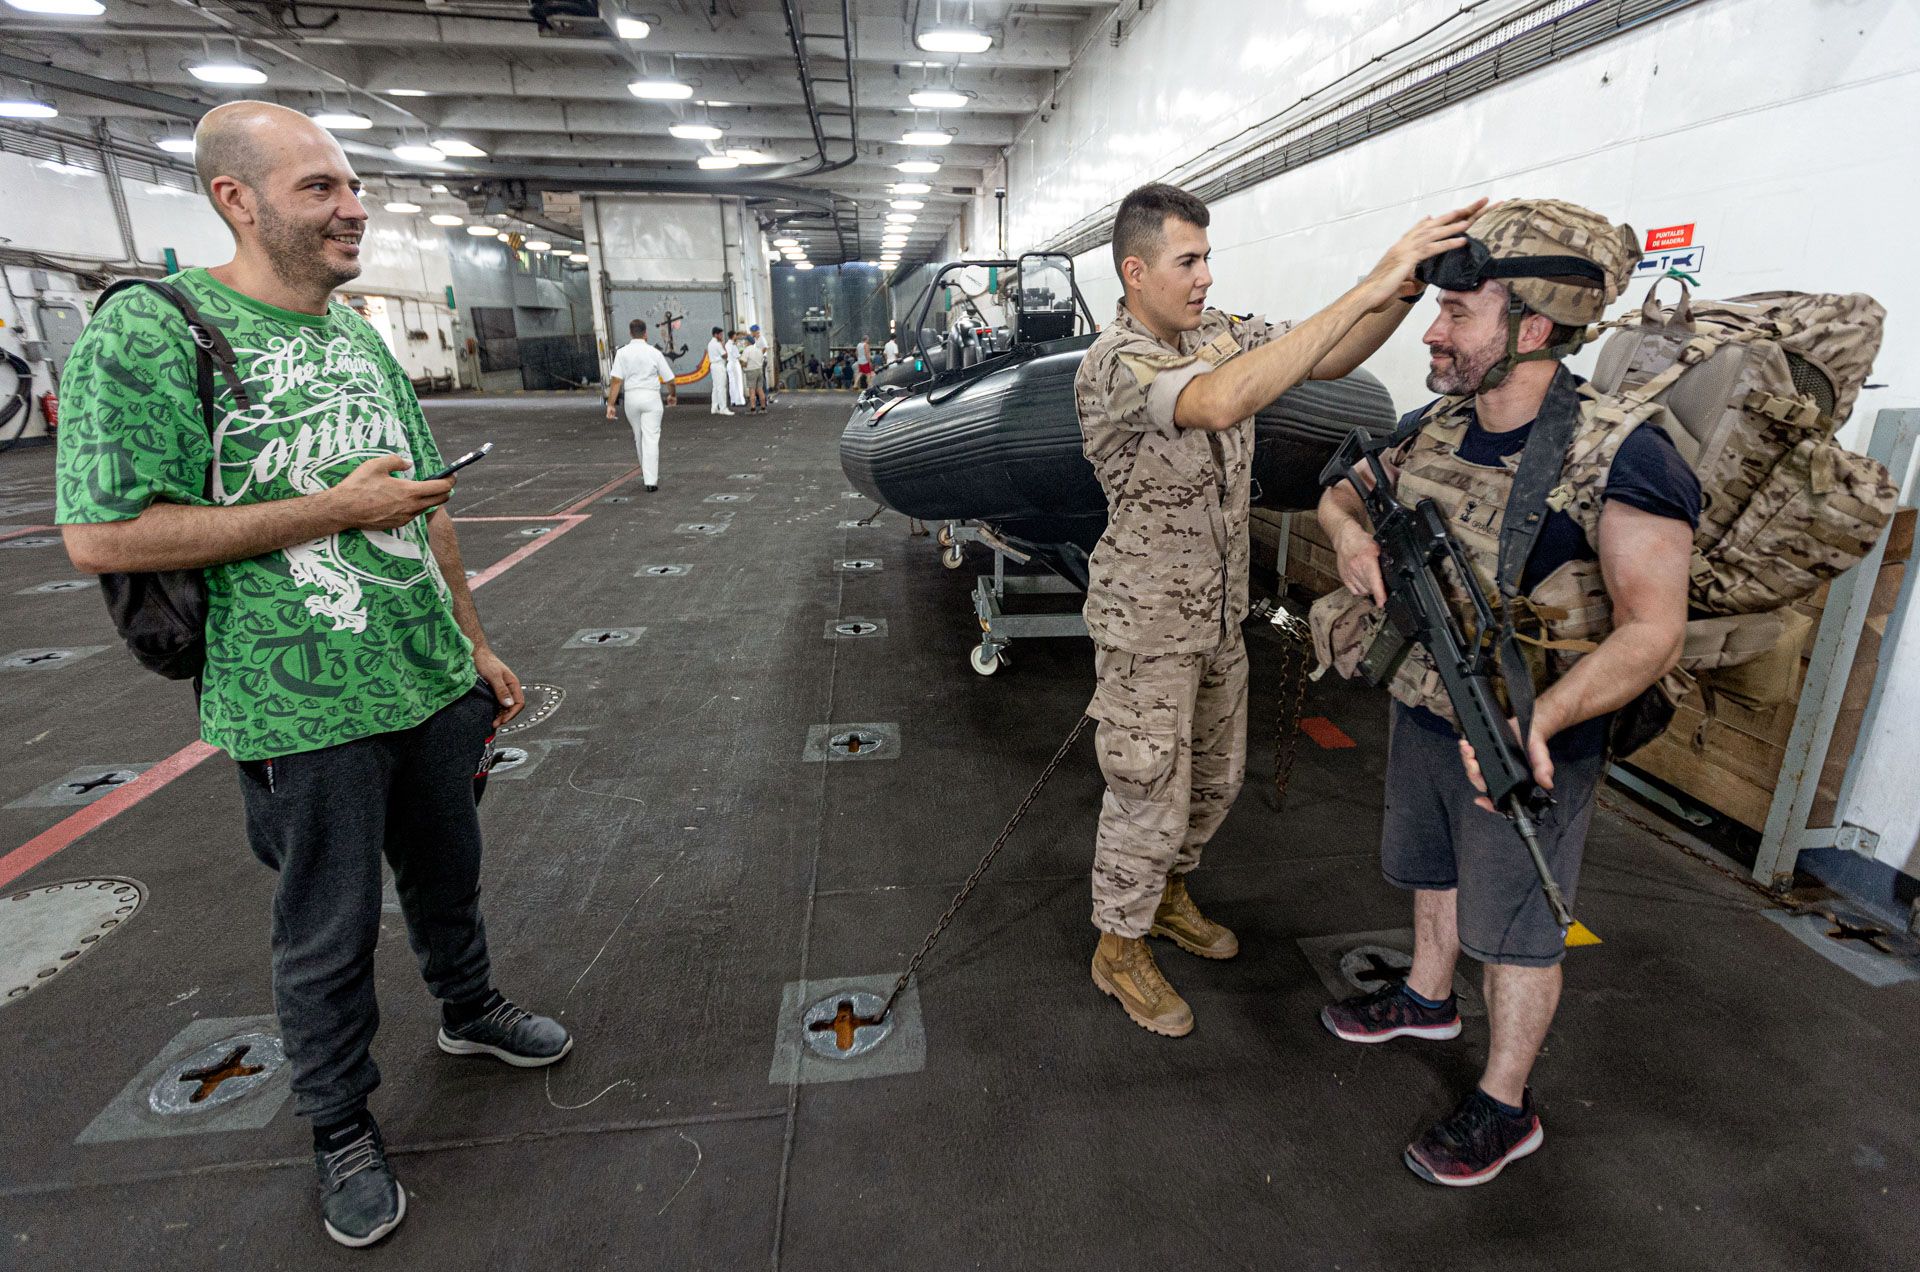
1172	741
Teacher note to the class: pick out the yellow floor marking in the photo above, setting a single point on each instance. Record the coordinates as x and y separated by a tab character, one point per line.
1581	934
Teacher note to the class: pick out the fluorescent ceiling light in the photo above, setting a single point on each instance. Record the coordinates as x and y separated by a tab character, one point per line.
925	137
540	245
459	149
22	109
786	242
911	187
954	40
447	218
61	8
906	205
746	154
578	258
803	264
711	102
694	132
901	218
406	92
419	154
341	120
227	73
713	162
402	207
917	166
483	231
939	98
631	28
661	90
437	188
175	145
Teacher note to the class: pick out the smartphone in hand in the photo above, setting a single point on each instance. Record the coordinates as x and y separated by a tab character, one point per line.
471	457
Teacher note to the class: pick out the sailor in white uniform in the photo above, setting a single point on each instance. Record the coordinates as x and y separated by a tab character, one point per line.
642	371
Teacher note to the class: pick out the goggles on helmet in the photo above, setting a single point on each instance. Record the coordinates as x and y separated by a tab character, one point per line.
1465	268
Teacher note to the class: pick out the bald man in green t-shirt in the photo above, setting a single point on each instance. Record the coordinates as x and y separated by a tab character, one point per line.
347	672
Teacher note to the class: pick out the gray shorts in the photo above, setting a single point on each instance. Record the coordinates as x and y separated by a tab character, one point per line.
1435	839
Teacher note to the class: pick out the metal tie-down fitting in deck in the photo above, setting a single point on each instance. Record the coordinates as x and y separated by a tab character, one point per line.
217	1075
844	1026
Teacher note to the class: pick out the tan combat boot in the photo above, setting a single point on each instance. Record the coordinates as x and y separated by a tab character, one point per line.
1123	966
1180	921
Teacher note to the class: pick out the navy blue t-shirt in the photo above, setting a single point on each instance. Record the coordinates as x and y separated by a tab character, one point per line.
1648	473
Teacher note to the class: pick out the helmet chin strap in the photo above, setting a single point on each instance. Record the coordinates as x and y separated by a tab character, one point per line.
1516	314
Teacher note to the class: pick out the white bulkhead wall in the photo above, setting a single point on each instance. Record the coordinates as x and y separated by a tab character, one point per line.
1782	130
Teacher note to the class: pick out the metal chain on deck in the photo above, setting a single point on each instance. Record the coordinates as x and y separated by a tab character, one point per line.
1296	640
980	870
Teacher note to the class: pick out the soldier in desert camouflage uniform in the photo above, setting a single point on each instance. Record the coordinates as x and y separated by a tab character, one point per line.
1601	599
1166	398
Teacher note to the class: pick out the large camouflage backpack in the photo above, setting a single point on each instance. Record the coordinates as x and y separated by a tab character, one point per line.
1753	389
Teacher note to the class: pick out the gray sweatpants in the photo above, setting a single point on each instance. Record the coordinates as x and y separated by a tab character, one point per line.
323	820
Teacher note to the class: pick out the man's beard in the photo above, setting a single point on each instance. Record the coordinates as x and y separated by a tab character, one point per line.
297	253
1464	371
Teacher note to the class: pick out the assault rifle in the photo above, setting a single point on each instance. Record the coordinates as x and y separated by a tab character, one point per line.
1414	542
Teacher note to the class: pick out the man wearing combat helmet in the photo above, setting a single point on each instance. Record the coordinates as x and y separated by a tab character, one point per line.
1166	398
1596	568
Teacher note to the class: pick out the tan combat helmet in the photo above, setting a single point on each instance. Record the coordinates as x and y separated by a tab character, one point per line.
1557	259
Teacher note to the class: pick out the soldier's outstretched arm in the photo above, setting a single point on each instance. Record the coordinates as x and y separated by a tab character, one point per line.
1239	388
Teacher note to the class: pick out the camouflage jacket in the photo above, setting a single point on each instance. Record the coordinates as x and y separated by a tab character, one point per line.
1169	576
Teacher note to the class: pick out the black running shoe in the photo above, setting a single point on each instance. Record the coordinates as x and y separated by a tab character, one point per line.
1386	1014
1475	1142
360	1200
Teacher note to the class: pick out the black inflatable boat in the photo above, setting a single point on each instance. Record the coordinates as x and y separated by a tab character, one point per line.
997	442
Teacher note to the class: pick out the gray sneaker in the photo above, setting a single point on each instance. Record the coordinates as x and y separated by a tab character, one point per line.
512	1034
360	1200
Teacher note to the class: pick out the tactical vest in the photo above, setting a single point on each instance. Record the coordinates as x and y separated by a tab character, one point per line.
1561	619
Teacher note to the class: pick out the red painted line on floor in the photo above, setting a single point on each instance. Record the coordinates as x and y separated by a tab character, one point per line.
15	534
518	555
109	806
101	811
617	482
1327	735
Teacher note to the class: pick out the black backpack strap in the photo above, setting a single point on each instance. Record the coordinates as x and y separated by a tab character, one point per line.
211	352
1540	463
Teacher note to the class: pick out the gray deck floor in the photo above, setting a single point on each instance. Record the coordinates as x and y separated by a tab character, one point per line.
1715	1093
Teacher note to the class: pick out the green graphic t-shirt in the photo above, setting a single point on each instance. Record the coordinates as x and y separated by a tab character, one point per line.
317	644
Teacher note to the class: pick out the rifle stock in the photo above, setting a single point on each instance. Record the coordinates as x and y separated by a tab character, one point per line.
1414	544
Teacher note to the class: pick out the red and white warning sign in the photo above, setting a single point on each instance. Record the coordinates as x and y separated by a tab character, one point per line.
1668	237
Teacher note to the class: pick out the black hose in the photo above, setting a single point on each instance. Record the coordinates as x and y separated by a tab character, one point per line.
18	403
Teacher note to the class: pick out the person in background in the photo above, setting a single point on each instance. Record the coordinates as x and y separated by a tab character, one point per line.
717	373
642	372
768	360
863	361
891	354
736	375
753	368
347	673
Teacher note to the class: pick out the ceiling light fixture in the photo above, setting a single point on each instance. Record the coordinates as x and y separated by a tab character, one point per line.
578	258
437	188
447	218
419	154
175	145
483	231
925	137
61	8
341	120
402	207
786	242
538	245
803	264
406	92
917	166
906	205
459	149
659	90
750	156
901	218
955	39
694	132
632	28
227	73
23	109
911	187
715	162
939	98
